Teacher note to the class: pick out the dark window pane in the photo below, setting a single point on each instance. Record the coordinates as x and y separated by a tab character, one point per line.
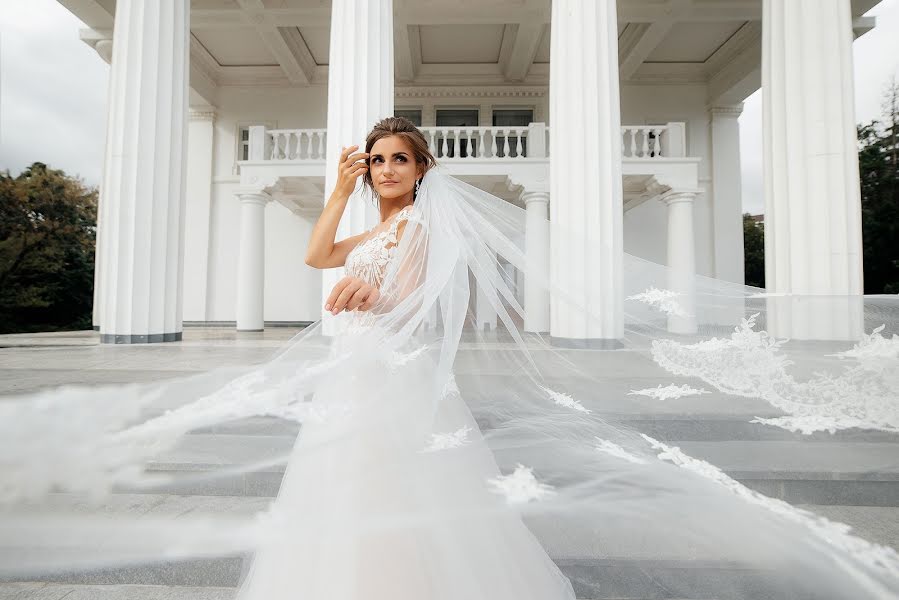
411	114
458	117
515	117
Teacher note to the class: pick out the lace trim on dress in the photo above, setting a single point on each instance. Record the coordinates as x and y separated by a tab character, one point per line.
369	259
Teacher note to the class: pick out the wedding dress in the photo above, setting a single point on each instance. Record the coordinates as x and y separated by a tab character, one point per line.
440	458
329	504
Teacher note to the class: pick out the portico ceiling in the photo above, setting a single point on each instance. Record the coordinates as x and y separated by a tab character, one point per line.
468	42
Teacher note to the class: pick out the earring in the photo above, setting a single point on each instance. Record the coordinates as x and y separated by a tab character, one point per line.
417	186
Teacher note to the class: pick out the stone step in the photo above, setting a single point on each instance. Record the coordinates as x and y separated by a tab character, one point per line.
65	591
673	427
633	567
591	580
829	473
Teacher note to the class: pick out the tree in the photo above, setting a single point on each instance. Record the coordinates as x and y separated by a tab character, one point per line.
47	237
879	172
753	251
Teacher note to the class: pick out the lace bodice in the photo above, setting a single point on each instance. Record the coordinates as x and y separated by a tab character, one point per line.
370	258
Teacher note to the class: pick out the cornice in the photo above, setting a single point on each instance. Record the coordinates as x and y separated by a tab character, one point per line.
460	92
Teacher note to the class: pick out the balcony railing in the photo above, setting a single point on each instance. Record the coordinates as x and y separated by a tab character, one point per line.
500	143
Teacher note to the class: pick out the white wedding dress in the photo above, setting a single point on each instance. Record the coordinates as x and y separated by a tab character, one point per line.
370	509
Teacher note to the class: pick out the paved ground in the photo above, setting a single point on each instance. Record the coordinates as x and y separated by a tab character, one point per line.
851	477
29	362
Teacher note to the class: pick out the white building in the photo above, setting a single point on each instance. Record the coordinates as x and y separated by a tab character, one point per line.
226	118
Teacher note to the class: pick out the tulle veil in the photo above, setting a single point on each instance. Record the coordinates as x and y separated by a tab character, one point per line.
608	499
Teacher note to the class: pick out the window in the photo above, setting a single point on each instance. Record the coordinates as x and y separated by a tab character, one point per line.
512	117
458	117
413	114
243	142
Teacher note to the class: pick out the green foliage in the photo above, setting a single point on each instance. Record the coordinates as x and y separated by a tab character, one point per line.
47	237
879	171
753	251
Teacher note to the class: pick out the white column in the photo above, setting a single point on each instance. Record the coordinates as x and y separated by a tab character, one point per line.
727	196
681	259
585	174
360	92
812	193
198	201
142	218
103	47
536	291
251	262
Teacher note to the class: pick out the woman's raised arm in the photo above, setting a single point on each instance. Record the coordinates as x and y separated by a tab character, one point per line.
323	252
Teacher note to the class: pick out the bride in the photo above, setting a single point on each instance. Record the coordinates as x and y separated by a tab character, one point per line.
442	460
442	540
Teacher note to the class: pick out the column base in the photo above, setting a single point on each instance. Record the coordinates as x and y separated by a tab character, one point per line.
153	338
250	330
586	344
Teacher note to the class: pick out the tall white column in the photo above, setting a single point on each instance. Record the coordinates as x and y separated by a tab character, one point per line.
727	196
812	193
104	49
198	201
360	92
681	259
585	174
142	241
536	292
251	264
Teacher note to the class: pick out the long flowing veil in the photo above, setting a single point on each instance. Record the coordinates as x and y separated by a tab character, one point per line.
576	437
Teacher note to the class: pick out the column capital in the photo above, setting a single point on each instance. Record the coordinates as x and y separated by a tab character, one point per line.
535	196
253	196
205	113
675	196
728	111
100	40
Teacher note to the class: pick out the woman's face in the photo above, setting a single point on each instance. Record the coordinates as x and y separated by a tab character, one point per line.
393	168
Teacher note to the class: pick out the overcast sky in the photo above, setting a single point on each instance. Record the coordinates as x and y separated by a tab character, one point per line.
53	92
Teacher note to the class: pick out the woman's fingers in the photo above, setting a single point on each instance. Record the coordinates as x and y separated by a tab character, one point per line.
351	288
359	297
332	297
351	159
370	301
345	152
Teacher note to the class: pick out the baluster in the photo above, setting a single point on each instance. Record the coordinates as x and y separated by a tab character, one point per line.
479	146
441	145
286	147
633	153
519	146
308	153
320	150
645	148
506	153
291	136
493	148
658	142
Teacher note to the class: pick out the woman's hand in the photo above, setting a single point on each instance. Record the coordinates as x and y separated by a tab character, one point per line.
351	293
348	170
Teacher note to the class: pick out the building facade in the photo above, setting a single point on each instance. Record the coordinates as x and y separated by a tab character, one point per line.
226	118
